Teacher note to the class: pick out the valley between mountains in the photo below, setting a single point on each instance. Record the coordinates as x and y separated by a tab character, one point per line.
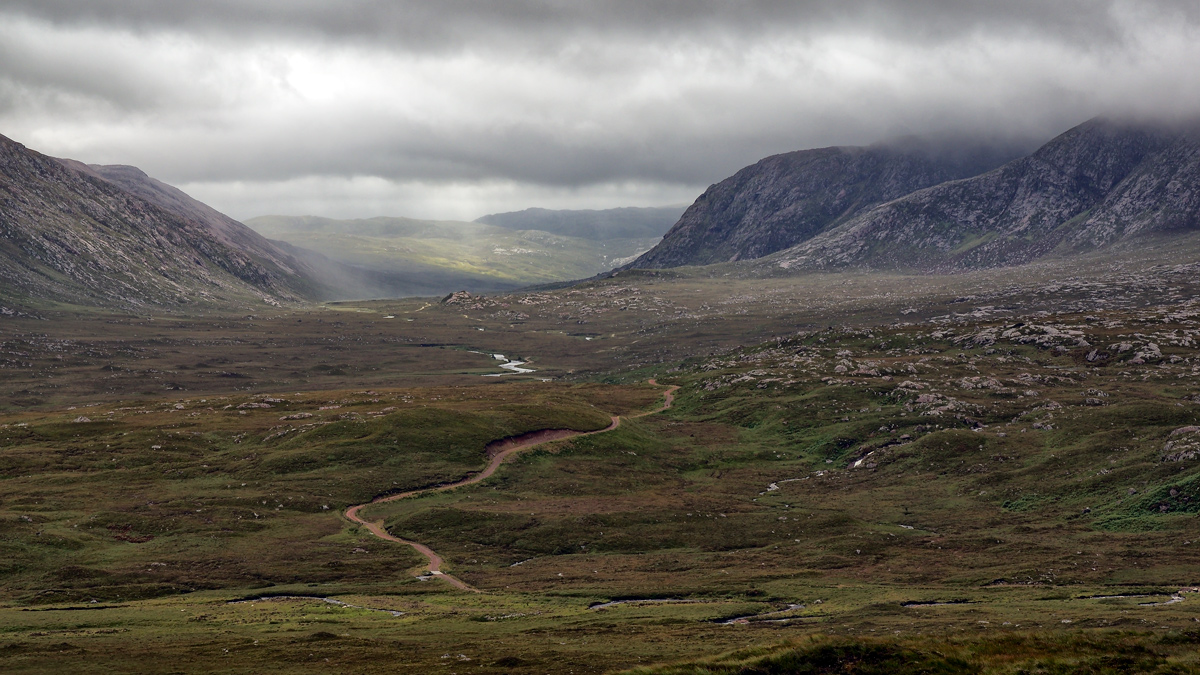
884	407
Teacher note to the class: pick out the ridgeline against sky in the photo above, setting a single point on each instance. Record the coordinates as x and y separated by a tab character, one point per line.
455	109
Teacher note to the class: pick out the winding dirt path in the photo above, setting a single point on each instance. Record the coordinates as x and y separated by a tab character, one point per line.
499	452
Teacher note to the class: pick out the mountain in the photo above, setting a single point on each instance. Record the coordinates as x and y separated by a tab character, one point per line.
909	207
227	230
619	223
79	234
786	199
440	256
1101	183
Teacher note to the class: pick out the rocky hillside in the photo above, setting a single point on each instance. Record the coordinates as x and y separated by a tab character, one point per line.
787	199
1101	183
101	236
225	229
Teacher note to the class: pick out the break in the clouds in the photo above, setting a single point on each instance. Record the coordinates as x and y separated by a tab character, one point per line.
452	109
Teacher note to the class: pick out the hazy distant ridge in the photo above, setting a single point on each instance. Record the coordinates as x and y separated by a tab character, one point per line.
431	257
620	223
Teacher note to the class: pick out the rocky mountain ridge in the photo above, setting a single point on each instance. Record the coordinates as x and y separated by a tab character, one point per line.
1101	183
785	199
82	235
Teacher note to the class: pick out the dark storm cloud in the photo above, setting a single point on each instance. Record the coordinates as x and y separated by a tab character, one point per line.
592	101
441	24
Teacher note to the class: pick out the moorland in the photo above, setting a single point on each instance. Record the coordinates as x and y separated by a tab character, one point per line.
993	471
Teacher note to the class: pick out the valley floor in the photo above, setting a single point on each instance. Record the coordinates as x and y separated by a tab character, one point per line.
997	472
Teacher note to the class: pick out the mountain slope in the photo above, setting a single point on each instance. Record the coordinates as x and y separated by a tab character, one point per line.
786	199
68	235
619	223
1099	183
231	232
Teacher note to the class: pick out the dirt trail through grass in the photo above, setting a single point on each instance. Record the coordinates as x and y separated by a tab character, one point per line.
499	451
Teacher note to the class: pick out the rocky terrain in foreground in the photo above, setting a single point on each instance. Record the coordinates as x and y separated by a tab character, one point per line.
962	466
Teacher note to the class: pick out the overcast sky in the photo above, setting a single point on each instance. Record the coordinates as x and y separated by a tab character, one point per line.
451	109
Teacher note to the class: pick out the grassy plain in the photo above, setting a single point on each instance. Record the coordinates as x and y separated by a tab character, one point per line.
991	473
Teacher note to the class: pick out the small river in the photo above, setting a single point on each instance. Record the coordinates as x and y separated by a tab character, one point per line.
512	366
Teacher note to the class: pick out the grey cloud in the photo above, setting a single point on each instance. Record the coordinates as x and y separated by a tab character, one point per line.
560	96
450	24
517	154
100	78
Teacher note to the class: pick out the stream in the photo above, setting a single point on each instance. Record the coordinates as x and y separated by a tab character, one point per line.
513	366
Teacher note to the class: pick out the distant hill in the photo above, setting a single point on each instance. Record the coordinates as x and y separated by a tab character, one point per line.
73	234
1101	183
449	255
619	223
